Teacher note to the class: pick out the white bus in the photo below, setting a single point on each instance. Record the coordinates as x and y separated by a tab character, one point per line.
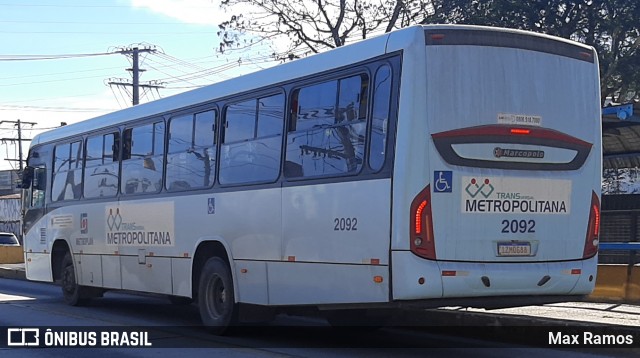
434	165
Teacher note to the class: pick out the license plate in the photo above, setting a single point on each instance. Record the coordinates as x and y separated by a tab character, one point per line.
514	249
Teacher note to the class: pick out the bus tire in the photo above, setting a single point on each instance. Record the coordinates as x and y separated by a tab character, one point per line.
72	292
216	299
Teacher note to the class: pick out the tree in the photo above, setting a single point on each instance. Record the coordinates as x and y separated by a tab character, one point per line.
311	26
610	26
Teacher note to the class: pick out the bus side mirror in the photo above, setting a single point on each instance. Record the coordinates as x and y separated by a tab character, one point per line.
27	178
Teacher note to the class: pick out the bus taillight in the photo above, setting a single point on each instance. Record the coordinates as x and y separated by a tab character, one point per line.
520	131
593	229
422	243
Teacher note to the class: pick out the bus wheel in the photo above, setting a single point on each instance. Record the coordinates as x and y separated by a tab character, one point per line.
216	299
73	293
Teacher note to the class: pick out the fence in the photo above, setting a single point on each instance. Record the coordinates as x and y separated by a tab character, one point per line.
620	229
10	215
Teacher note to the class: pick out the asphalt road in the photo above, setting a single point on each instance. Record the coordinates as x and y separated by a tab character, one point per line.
172	328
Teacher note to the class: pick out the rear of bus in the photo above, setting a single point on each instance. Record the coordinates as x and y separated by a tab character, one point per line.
497	168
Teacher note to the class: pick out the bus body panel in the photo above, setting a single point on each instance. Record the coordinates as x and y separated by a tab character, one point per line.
337	222
303	283
474	87
111	272
408	269
89	270
486	206
38	266
252	282
411	146
151	276
250	222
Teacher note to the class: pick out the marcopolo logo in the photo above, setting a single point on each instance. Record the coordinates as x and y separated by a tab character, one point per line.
517	153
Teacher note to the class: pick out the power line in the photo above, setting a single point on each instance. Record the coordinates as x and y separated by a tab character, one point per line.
50	57
109	33
89	6
89	23
49	81
152	87
4	107
74	6
193	63
59	73
13	103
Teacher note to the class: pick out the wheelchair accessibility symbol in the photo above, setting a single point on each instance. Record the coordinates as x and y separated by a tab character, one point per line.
442	181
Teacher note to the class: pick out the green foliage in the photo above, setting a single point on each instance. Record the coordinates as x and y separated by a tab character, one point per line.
612	27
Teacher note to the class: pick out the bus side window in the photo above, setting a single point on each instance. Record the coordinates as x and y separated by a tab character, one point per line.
67	175
101	166
326	138
142	161
252	143
191	151
380	117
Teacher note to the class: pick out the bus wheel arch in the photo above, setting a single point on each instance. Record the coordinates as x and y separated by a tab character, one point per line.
216	297
205	251
64	272
58	251
72	292
214	287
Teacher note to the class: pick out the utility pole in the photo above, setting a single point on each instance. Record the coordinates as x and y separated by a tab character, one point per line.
136	76
135	70
17	124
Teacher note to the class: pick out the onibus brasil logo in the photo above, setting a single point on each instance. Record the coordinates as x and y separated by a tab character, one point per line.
485	189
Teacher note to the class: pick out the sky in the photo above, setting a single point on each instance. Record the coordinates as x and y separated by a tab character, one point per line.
48	92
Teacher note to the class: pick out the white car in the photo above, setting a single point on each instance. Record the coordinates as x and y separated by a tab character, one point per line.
8	239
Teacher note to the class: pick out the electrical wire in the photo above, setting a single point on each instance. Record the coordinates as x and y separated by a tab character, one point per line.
51	57
52	109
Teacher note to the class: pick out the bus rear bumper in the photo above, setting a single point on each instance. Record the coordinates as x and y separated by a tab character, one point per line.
415	278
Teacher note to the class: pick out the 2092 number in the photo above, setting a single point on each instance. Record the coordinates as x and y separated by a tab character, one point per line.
518	226
345	224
